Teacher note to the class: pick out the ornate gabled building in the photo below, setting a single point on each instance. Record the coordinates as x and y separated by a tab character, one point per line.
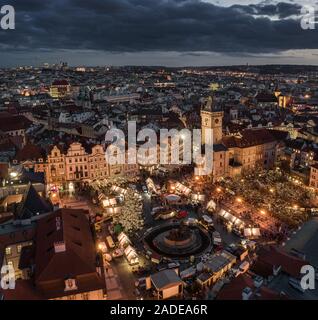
76	164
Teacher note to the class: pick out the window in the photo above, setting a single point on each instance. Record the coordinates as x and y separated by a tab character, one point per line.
85	296
19	248
8	251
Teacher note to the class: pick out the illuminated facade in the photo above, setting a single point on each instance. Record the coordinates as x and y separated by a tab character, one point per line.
78	165
60	89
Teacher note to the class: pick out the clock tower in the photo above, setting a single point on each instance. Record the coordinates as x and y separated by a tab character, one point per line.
211	118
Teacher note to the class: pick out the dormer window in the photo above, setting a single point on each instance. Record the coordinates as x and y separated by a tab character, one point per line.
70	284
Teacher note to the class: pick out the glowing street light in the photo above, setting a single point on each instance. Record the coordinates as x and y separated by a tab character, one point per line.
218	189
263	212
13	174
239	200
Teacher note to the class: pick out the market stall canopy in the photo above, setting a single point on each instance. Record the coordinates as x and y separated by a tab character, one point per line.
151	185
123	240
131	255
101	197
118	190
183	189
211	205
172	198
109	202
115	210
198	197
229	217
252	232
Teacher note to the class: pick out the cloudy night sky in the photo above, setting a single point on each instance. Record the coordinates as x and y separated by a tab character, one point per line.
158	32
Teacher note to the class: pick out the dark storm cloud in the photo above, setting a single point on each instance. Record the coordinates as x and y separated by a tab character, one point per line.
148	25
282	9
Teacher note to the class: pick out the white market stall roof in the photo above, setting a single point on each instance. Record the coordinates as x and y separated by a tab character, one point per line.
252	232
114	210
101	196
109	202
198	197
123	240
229	217
211	205
183	189
151	185
131	255
118	190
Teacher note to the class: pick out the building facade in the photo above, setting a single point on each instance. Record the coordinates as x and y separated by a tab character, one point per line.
77	165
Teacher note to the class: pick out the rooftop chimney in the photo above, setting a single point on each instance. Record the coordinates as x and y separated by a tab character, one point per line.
247	293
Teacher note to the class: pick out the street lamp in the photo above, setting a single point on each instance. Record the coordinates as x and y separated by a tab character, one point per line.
13	174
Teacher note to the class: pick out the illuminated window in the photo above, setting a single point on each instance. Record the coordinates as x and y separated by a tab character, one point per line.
19	248
85	296
8	251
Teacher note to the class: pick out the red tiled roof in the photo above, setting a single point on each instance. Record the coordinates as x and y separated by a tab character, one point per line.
12	123
272	256
253	137
60	83
24	290
77	261
266	97
30	152
74	231
233	290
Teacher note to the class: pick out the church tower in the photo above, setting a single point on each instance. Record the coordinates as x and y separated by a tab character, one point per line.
211	118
